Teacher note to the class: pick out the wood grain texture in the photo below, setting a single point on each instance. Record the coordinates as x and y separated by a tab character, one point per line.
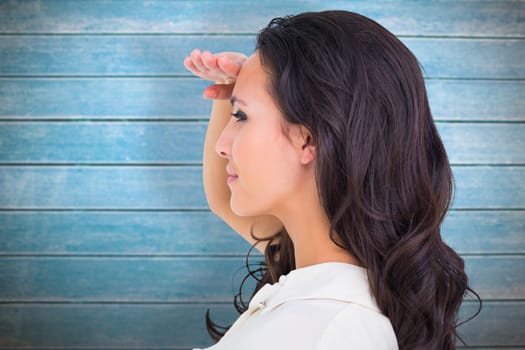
182	326
180	98
493	326
182	142
173	187
487	187
102	187
202	233
485	231
117	98
123	326
460	18
118	233
124	143
187	279
106	240
482	100
148	55
120	279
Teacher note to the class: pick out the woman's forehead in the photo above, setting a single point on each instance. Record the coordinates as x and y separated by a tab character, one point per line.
252	81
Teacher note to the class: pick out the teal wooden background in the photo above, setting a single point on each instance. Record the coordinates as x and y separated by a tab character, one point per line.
106	240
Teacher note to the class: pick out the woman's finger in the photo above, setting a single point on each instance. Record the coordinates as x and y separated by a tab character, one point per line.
197	62
218	92
188	63
223	68
228	66
209	60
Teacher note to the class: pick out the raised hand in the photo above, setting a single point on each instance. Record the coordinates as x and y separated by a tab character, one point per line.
222	68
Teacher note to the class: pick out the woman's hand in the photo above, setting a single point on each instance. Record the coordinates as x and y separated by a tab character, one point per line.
222	68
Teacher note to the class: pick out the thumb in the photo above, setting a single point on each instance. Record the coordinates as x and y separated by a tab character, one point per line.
218	92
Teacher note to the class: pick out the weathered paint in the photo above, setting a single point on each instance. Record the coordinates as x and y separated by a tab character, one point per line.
106	240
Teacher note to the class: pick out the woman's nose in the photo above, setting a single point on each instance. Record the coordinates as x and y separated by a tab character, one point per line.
223	144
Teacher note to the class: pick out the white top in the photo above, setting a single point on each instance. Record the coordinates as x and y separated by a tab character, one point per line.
320	307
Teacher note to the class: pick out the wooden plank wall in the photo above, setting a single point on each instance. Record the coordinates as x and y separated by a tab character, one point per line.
106	240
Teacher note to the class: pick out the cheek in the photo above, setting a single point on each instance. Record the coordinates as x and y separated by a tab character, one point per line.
266	162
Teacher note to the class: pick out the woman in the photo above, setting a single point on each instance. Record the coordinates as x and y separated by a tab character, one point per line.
328	159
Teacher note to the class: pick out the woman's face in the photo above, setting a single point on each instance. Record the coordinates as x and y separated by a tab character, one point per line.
263	151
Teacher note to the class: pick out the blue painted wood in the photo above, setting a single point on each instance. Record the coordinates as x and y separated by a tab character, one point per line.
107	142
103	97
99	326
172	187
486	187
471	143
489	276
477	100
121	279
112	187
478	232
472	18
182	326
163	55
493	327
118	233
181	98
150	98
202	233
138	268
185	279
182	142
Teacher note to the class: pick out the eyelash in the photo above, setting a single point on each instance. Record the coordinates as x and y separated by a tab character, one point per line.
240	116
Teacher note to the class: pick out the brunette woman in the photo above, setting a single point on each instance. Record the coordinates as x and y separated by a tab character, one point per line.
322	152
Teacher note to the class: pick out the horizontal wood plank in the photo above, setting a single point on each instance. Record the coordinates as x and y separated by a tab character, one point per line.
180	98
105	279
471	143
122	98
492	18
114	233
494	327
102	187
181	326
497	277
486	187
86	142
476	100
198	233
178	187
106	240
163	55
109	326
163	279
481	232
182	142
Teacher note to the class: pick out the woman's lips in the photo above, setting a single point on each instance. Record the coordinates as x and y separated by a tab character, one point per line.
231	175
231	178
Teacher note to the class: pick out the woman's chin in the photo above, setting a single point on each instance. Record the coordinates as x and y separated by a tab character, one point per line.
242	209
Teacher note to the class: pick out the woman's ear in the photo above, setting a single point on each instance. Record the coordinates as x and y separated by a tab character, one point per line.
302	141
308	150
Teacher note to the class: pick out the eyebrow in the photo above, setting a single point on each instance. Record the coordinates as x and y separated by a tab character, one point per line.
238	100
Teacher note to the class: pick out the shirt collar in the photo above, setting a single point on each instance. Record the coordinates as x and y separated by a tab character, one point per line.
332	280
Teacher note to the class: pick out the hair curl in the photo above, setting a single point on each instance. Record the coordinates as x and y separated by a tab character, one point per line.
382	171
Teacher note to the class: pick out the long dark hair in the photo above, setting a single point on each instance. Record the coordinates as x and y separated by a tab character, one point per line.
382	172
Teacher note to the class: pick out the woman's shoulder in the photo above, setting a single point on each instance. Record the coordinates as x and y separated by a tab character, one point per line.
359	327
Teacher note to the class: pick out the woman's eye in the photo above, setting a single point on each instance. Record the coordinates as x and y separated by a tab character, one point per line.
239	115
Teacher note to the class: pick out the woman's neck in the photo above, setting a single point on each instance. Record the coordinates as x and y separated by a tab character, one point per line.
308	228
